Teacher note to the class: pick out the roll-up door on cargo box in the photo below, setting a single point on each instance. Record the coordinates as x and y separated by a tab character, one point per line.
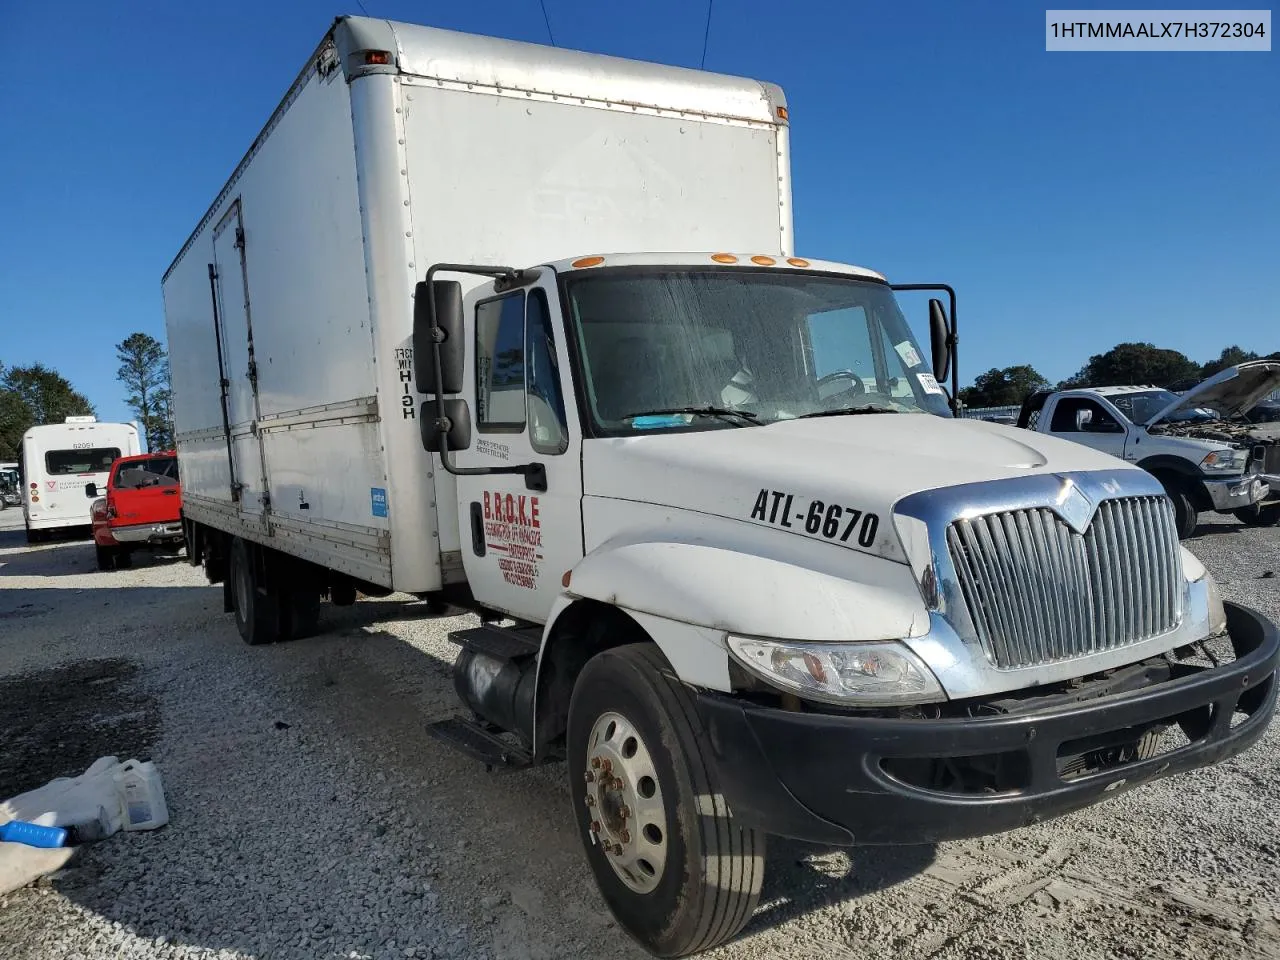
497	179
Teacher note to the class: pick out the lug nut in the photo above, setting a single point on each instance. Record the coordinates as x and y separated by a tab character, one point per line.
591	801
607	765
595	826
625	835
617	849
595	763
591	777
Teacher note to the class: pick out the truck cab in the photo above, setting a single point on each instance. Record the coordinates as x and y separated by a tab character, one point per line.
1203	460
850	615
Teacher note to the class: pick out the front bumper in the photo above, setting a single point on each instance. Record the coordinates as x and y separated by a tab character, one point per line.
149	532
1272	480
1232	494
823	777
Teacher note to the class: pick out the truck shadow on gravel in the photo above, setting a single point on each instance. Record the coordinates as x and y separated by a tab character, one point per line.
58	721
70	558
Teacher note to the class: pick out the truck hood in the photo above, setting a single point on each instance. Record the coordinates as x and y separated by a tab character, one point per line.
783	473
1231	392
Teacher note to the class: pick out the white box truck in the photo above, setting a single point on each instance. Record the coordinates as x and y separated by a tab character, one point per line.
58	465
734	561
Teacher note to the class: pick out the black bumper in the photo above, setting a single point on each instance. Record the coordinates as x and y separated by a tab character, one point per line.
824	778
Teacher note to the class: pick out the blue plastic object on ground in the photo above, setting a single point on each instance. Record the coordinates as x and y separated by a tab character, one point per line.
32	834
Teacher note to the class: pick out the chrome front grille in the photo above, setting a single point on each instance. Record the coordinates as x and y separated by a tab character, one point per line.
1038	592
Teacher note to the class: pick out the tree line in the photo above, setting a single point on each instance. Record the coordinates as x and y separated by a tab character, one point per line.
1125	363
36	394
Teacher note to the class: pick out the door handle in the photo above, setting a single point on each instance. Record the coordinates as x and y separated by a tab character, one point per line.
171	493
477	529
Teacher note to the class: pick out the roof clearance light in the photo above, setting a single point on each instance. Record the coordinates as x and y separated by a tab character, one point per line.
797	262
764	261
724	258
587	262
377	57
782	113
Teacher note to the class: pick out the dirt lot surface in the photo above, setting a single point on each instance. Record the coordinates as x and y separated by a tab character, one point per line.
313	817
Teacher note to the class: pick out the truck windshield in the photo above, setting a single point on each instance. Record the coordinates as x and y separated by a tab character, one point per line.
1140	407
677	348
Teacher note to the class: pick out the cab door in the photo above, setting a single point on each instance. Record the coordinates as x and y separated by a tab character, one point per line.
1087	421
517	540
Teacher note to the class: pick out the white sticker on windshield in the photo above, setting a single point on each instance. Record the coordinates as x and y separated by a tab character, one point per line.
908	353
930	385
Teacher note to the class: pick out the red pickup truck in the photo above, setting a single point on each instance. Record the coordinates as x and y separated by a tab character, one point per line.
140	507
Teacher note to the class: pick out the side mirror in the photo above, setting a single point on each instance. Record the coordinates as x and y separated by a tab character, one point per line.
458	434
453	343
1084	421
939	340
91	490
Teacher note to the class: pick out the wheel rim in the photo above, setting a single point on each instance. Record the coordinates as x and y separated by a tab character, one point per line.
624	801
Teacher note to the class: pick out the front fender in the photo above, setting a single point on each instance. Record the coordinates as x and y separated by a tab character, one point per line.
705	584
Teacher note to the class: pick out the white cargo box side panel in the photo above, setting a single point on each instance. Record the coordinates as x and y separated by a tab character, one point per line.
521	181
317	416
516	180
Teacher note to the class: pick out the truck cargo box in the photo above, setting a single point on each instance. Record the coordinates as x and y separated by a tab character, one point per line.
289	307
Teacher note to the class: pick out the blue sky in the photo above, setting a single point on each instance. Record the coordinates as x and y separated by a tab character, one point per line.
1075	200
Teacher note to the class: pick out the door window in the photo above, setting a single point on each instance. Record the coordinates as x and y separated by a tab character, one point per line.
1082	415
500	390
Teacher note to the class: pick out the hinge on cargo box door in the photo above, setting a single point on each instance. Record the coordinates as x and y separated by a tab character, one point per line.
239	244
252	372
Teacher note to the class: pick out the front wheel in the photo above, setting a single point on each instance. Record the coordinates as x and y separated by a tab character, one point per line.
678	873
1259	516
1185	515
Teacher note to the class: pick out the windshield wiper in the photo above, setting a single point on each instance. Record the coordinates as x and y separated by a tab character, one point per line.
847	411
745	417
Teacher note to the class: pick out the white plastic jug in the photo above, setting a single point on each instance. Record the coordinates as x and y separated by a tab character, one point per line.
141	795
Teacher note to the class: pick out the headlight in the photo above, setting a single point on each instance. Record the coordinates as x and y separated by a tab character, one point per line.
854	674
1225	461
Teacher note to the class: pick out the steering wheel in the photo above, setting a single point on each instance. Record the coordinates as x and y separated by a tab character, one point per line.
840	398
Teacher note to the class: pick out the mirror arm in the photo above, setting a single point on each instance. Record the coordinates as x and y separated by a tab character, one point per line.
952	339
535	474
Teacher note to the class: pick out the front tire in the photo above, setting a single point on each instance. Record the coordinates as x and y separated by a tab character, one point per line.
1259	516
678	873
257	609
1185	515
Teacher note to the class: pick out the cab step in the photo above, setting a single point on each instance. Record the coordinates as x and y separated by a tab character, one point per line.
504	643
480	743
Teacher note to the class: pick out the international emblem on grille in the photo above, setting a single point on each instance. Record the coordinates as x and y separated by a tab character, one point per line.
1074	506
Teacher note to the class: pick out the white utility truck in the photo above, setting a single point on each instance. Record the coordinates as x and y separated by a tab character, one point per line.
58	464
734	560
1197	444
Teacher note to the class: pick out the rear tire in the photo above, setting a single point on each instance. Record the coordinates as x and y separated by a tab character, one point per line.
106	557
1257	516
257	609
124	558
683	876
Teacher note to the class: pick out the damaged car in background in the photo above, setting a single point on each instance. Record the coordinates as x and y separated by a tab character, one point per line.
1204	446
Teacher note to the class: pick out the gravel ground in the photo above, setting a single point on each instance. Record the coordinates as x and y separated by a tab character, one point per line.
312	816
